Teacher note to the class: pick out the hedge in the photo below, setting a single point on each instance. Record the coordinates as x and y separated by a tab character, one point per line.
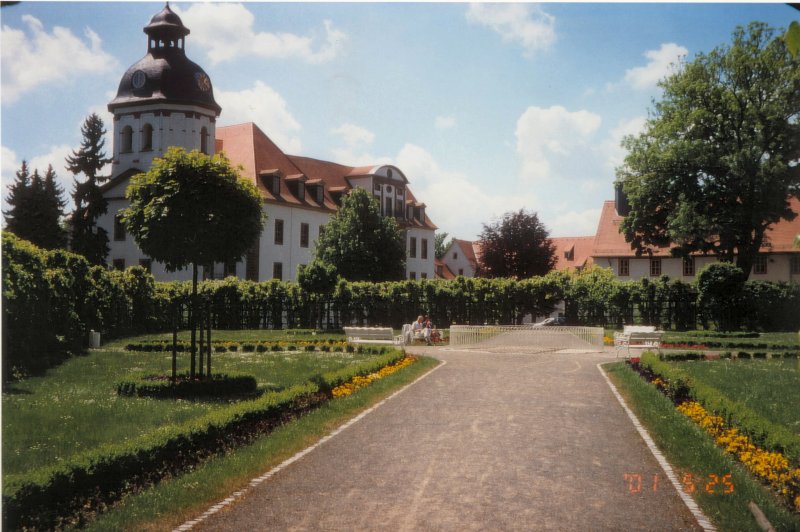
55	496
160	386
763	432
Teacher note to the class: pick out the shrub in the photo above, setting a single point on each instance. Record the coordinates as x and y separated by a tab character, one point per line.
160	386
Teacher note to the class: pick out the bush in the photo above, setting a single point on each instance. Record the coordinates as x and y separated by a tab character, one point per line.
161	387
719	295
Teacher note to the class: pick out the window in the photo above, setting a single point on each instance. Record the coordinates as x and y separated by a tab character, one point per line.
423	275
794	264
688	266
760	265
119	229
424	250
278	232
303	235
204	140
412	276
252	263
229	269
398	208
277	271
461	271
126	140
624	267
388	211
119	264
655	267
147	264
412	247
455	256
147	138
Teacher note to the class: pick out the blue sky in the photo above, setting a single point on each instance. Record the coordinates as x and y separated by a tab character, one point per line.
487	108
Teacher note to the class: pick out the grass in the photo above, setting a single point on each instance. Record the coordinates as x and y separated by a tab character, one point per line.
174	501
769	387
249	335
790	339
690	450
75	407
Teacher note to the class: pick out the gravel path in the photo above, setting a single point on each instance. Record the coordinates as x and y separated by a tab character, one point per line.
485	442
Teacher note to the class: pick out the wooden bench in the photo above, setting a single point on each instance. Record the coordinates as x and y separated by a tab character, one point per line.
637	336
372	335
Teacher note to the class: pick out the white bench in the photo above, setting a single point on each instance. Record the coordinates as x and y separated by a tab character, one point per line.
372	335
637	336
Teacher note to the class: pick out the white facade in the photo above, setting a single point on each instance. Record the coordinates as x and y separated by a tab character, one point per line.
460	260
773	267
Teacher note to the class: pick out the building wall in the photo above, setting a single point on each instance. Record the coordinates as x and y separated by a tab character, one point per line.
180	126
456	260
418	267
778	267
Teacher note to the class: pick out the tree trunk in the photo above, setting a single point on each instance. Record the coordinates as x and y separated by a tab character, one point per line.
192	317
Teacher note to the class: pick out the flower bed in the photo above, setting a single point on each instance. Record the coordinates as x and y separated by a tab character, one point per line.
360	381
770	451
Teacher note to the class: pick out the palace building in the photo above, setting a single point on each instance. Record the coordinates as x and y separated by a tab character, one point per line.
166	100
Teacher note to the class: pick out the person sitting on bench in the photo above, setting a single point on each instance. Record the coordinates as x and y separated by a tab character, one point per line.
419	330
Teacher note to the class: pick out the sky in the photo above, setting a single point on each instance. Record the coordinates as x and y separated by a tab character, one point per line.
486	108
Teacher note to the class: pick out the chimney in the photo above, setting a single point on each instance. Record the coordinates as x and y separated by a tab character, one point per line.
621	200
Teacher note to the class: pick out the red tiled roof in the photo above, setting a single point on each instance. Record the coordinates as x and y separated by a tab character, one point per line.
248	146
609	242
573	252
446	272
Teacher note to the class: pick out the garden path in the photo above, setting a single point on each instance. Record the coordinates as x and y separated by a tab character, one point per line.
485	442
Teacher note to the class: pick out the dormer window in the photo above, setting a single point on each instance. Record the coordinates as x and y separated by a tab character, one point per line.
317	190
570	254
271	179
297	185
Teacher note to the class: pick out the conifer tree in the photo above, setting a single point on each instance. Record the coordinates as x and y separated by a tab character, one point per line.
85	237
50	207
18	217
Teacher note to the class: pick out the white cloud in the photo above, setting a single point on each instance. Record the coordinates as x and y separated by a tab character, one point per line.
38	57
445	122
660	63
226	32
614	152
266	108
355	149
353	135
455	202
552	140
525	24
575	223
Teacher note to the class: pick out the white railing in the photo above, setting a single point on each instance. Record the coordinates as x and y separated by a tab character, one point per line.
470	335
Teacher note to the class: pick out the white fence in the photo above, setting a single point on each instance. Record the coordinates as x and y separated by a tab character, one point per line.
525	335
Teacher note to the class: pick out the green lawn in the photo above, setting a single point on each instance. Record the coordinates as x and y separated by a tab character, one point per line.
769	387
74	407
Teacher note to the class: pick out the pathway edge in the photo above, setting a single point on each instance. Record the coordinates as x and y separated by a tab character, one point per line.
698	514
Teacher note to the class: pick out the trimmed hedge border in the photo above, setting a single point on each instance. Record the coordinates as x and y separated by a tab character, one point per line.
61	495
161	387
763	432
248	347
680	356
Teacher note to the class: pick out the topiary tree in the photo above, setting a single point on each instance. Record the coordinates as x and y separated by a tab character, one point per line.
719	293
192	209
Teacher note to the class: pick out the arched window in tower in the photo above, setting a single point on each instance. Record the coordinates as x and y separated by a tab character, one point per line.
126	140
147	138
204	140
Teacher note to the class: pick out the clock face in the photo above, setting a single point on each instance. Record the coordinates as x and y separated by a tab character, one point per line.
202	81
139	79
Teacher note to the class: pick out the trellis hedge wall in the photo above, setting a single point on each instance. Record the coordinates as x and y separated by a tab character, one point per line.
51	299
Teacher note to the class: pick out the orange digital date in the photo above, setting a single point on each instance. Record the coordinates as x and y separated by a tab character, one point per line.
712	483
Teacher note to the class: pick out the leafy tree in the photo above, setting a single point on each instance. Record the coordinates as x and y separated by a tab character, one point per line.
360	243
85	237
37	206
715	167
192	209
440	244
719	294
517	246
792	38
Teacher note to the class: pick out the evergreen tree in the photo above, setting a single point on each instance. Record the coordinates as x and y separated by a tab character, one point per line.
19	193
37	206
86	238
50	207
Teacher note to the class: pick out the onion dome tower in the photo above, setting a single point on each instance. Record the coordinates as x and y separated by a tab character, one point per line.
163	100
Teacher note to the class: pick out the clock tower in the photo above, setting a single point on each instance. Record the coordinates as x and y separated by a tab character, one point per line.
163	100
